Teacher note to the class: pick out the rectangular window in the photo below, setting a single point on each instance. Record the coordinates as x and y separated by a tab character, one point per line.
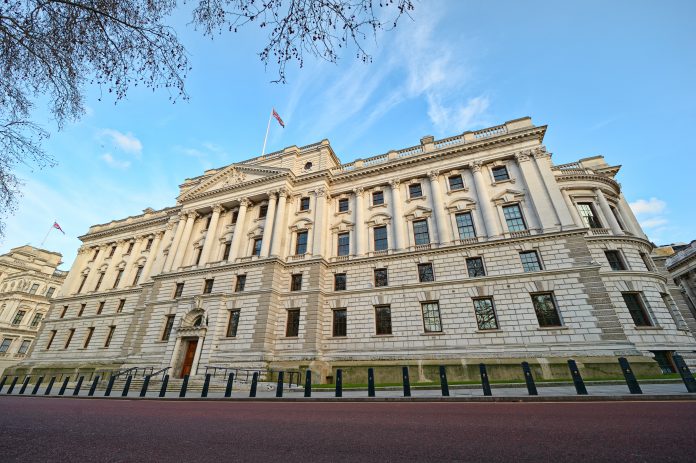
381	277
18	317
415	190
226	252
546	311
168	325
207	222
485	314
647	261
343	244
88	338
380	238
71	332
615	260
301	242
113	250
109	336
474	266
34	288
100	308
233	323
420	232
343	205
500	173
456	182
257	247
588	215
340	318
148	246
530	261
96	254
240	283
50	339
263	211
383	323
377	198
130	247
50	292
304	203
118	278
82	284
64	311
637	309
431	317
99	281
82	310
465	225
36	320
340	280
425	273
513	218
235	215
208	286
178	290
138	272
199	253
121	304
24	347
292	328
6	343
296	282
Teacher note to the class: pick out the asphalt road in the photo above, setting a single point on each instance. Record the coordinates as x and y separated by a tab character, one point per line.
42	429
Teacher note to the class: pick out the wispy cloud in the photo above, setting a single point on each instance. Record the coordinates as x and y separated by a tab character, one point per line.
651	215
125	142
650	206
115	163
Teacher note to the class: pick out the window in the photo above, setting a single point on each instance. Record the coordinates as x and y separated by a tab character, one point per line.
64	311
545	309
96	254
425	273
226	252
292	328
82	310
377	198
340	318
208	286
343	205
340	280
485	314
465	225
617	217
130	247
513	218
296	282
24	347
121	304
637	309
415	190
530	261
240	283
36	320
257	247
207	222
500	173
118	278
50	292
100	308
381	278
82	284
615	260
199	253
71	332
34	288
18	317
168	325
588	215
99	281
431	317
456	182
50	339
138	272
304	203
383	323
109	336
301	242
88	338
113	250
420	232
263	211
6	343
647	261
235	215
178	290
233	323
474	266
380	238
148	246
343	244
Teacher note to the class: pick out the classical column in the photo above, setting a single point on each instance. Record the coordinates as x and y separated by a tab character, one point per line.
94	270
210	235
185	238
152	256
632	222
281	222
443	230
358	244
606	210
573	210
75	276
129	273
489	216
268	227
537	192
239	230
175	242
543	162
318	229
398	222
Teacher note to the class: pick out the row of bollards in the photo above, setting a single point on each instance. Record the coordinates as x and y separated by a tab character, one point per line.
629	377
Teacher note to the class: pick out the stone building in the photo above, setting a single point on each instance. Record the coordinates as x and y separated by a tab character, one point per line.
28	280
680	263
454	251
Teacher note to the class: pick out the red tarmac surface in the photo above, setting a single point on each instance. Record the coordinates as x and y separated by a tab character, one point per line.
41	429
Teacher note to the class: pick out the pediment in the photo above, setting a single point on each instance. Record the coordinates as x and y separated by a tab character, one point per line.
461	204
508	196
231	177
343	225
301	224
379	218
418	212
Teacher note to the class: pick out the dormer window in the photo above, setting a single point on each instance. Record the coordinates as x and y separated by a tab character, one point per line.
304	203
500	173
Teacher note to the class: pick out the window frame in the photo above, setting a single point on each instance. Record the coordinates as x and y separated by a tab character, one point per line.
469	260
378	198
109	336
292	323
429	318
121	305
465	226
419	235
178	290
381	328
458	185
22	349
301	240
88	337
496	169
50	340
343	249
343	205
305	203
537	310
208	284
336	280
6	346
616	260
479	315
339	325
379	279
240	283
168	327
516	222
71	333
296	282
589	221
641	306
422	276
256	246
233	323
19	317
415	187
380	243
525	264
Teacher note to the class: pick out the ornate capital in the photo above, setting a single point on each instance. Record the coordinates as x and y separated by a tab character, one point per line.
359	191
540	152
217	209
394	184
434	174
244	202
321	191
476	166
283	192
271	194
523	155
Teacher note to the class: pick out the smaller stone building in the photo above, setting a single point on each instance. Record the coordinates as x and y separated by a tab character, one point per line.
29	279
680	263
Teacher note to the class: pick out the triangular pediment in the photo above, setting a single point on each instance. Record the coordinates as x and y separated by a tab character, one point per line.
508	196
231	177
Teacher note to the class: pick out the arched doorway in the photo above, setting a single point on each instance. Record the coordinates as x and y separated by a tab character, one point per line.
189	343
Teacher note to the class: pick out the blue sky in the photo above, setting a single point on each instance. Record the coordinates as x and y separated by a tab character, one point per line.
612	78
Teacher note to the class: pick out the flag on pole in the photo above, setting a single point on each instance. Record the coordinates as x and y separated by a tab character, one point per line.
280	121
55	225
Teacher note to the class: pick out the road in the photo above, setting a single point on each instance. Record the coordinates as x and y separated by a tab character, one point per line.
45	429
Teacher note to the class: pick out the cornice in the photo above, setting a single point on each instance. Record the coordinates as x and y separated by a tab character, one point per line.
622	238
129	227
95	295
586	177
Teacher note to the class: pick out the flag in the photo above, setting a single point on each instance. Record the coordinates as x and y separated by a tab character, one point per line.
280	121
55	225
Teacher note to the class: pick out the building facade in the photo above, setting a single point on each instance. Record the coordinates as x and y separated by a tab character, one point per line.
28	280
681	265
455	251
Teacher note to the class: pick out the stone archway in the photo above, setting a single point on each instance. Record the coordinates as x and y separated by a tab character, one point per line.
190	337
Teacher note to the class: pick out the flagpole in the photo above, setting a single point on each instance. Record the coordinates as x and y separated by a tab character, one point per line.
47	233
263	151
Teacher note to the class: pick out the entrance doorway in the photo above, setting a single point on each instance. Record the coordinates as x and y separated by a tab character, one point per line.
188	358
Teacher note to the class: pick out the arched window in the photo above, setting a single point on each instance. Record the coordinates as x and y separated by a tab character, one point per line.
198	321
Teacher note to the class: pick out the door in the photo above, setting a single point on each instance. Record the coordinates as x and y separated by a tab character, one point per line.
188	358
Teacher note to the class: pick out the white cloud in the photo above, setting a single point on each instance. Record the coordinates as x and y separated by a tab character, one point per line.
650	214
653	222
125	142
115	163
651	206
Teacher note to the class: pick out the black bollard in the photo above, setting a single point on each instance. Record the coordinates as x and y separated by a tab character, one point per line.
37	385
50	386
12	385
206	385
184	386
126	387
109	386
64	386
76	391
308	384
254	382
146	384
630	378
339	383
407	382
2	383
93	388
370	382
685	373
24	385
485	383
443	381
163	389
529	379
577	378
279	385
230	383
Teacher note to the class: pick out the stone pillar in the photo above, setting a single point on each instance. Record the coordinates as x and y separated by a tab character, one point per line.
197	356
606	210
129	272
632	222
268	227
573	210
280	222
318	229
210	235
160	258
154	253
398	222
94	270
239	230
175	242
543	162
175	353
491	225
537	192
444	235
358	244
185	238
